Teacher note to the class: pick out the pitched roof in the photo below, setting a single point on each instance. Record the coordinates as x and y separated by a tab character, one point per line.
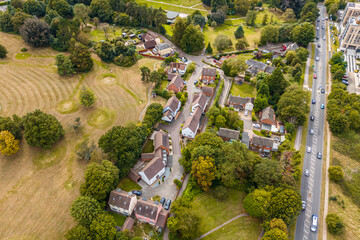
192	121
147	155
180	66
120	198
148	36
161	139
147	209
256	64
228	133
153	167
207	90
128	224
172	103
208	72
170	76
240	100
150	44
268	113
133	175
200	99
171	14
263	141
162	46
167	114
269	69
161	221
177	81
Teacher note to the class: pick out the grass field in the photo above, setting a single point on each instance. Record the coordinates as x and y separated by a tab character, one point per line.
162	4
214	212
37	186
244	90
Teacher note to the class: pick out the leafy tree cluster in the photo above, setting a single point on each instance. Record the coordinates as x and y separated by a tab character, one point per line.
3	51
116	51
87	97
8	144
335	224
233	66
222	42
187	36
338	66
332	6
223	117
336	173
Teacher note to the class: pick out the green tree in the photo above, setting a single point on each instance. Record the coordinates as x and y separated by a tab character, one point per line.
78	232
204	171
156	77
100	179
217	4
18	20
303	34
122	19
103	227
3	51
41	129
209	48
309	12
279	224
81	12
338	122
269	33
220	121
112	143
11	125
233	66
267	173
290	55
289	13
64	65
260	103
335	173
265	19
5	21
102	10
50	15
33	7
87	97
302	53
179	28
257	203
242	6
8	144
239	33
193	40
80	57
35	32
251	18
277	84
275	234
63	8
84	210
17	4
199	20
285	204
334	224
145	74
242	44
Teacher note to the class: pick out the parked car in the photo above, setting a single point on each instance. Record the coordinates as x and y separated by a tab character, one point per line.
317	58
167	204
276	139
318	45
313	101
311	131
303	205
323	19
317	28
162	201
307	172
345	76
314	223
322	106
256	125
315	76
308	149
324	38
318	20
196	81
136	192
312	118
323	27
323	90
345	82
246	112
319	155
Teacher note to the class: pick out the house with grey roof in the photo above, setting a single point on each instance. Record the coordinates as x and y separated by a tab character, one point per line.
192	124
263	144
268	119
161	221
163	49
208	75
171	108
254	67
240	103
147	211
208	91
199	100
122	202
228	135
171	16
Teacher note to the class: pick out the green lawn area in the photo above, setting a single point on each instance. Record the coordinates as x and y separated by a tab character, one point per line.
244	90
164	6
119	219
169	29
214	212
244	228
98	34
163	85
148	147
259	133
127	185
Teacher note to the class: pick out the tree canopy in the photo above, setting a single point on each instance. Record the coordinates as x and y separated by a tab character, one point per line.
84	210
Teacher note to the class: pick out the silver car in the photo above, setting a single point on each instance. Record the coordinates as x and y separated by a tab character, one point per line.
307	173
308	149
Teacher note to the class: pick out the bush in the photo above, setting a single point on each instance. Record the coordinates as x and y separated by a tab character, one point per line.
335	173
35	32
334	224
24	50
221	193
178	183
3	51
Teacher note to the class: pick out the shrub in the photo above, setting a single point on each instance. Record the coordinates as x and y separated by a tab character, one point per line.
178	183
3	51
334	224
35	32
220	193
24	50
335	173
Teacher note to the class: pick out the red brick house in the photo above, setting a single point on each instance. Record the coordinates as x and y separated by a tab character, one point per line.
208	75
268	119
176	84
263	144
208	91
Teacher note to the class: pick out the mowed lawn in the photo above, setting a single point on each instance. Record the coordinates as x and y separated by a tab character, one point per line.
37	186
162	4
244	90
214	212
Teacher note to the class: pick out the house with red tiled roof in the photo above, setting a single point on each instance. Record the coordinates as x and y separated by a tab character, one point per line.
199	100
171	108
208	91
162	218
208	75
176	84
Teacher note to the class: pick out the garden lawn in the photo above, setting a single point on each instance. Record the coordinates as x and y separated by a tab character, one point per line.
128	185
180	9
148	147
119	219
243	228
244	90
214	212
163	85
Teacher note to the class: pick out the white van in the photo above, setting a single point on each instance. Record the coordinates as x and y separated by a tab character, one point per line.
314	223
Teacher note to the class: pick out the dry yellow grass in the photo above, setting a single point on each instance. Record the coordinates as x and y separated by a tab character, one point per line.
37	186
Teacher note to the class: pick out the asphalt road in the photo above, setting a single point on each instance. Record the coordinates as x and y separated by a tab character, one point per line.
311	186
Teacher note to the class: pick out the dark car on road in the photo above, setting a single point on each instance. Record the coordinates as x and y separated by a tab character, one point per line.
319	155
167	204
162	201
312	118
345	82
323	90
136	192
313	101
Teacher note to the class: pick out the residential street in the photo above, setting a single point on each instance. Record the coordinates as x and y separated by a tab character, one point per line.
311	186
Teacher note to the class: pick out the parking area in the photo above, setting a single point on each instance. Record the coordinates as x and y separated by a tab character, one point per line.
350	58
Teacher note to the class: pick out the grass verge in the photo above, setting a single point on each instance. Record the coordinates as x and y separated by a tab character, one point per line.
148	146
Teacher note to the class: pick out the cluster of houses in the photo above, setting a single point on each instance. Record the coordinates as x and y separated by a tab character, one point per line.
174	73
153	44
147	211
